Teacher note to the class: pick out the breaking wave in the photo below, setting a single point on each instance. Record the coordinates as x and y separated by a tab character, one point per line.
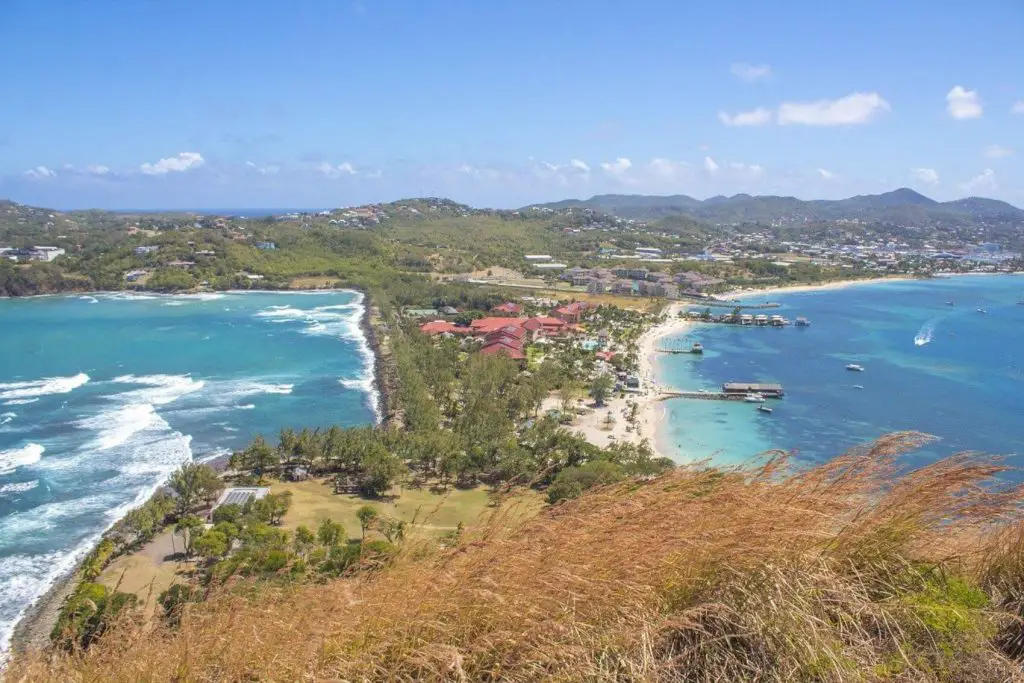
28	454
19	488
161	389
17	391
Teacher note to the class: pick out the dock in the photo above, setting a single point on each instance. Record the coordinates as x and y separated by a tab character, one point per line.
731	391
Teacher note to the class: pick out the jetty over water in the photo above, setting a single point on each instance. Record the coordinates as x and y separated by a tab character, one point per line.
731	391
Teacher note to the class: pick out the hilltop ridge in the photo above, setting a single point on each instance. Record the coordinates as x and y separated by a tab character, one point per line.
902	205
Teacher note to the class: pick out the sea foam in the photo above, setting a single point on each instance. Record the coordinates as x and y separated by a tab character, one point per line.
28	454
16	391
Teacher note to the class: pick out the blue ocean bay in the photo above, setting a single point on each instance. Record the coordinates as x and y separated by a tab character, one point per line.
102	396
962	380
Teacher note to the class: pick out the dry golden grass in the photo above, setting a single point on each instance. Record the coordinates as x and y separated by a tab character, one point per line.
851	571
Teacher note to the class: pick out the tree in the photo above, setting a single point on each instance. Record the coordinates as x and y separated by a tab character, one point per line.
379	471
330	533
572	481
600	386
189	527
211	545
230	512
192	483
366	514
303	540
259	458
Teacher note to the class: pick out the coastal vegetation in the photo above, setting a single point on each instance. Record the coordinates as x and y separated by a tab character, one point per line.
857	569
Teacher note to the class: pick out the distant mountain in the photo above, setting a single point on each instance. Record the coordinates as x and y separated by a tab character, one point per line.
903	207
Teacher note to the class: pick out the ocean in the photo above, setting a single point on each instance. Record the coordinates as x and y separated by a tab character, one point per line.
102	396
948	370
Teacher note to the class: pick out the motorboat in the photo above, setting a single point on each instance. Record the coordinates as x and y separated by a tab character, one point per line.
858	386
982	310
853	367
697	348
764	409
951	303
754	398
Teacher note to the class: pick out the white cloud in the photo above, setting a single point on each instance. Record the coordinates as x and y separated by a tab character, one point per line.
97	170
983	182
617	167
480	173
826	174
855	108
996	152
579	165
182	162
755	117
40	173
750	72
710	165
962	103
269	169
332	171
1018	107
925	175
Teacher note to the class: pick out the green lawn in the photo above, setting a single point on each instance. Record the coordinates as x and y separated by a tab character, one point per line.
313	501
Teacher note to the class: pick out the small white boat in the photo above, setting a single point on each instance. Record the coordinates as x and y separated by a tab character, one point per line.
982	310
754	398
858	386
764	409
951	303
855	368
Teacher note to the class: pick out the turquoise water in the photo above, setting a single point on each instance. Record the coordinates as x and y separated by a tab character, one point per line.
102	396
961	380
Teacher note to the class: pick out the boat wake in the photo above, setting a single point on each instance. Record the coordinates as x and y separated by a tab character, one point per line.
924	335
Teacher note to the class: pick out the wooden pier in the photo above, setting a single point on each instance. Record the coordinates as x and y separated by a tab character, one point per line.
730	392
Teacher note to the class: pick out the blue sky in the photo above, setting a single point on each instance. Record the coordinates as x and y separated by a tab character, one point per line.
317	103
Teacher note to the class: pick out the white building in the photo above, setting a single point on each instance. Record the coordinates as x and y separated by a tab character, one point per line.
538	257
46	253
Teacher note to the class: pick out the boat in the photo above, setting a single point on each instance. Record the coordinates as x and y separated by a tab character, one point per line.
982	310
802	322
1021	301
764	409
855	368
696	348
754	398
858	386
951	303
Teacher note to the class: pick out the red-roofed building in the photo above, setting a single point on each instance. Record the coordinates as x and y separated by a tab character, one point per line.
507	308
570	313
435	327
605	355
486	325
544	326
504	347
513	334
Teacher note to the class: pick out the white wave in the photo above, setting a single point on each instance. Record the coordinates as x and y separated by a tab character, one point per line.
20	401
924	335
118	426
213	455
90	299
42	387
28	454
19	488
128	296
362	384
283	313
23	578
162	390
7	417
175	303
247	406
